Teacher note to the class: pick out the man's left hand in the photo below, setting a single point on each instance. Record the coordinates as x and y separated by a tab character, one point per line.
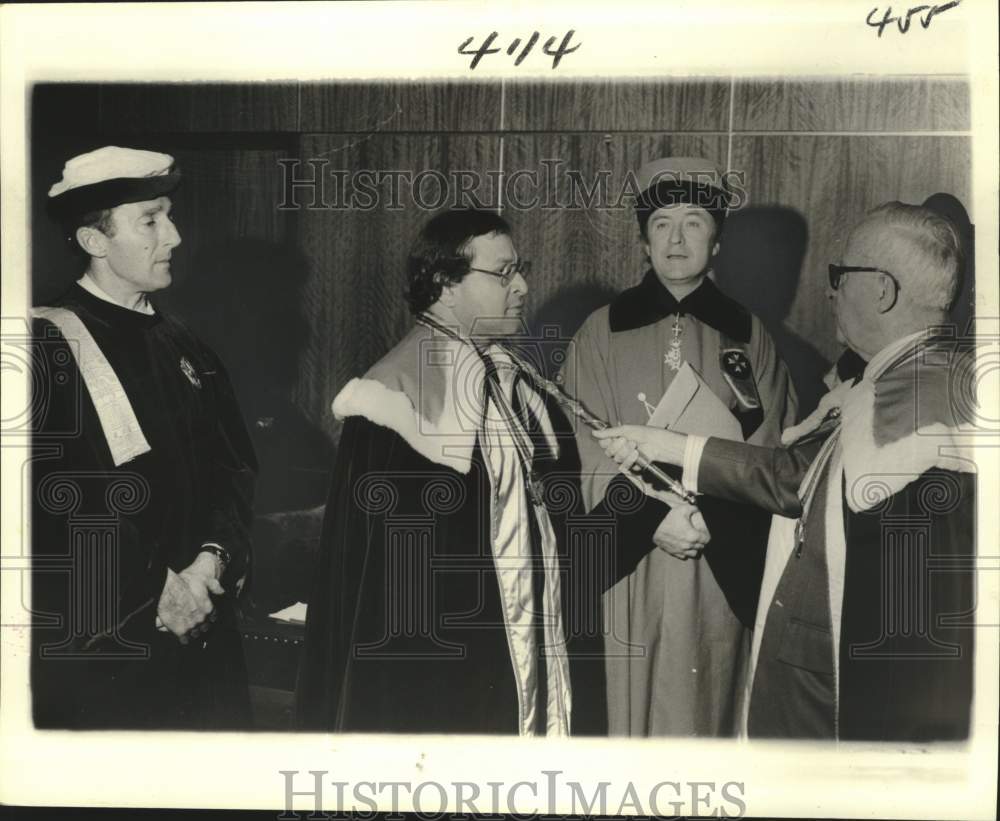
682	533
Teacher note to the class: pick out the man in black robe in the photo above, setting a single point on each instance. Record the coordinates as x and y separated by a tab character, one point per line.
439	597
865	624
142	477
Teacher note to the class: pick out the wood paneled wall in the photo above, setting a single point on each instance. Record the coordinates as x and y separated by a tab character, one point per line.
357	257
815	154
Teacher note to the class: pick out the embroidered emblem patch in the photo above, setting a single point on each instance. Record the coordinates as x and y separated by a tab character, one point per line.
188	370
736	364
738	371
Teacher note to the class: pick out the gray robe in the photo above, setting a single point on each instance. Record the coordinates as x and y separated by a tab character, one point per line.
677	652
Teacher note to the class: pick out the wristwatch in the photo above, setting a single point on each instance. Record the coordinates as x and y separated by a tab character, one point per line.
219	551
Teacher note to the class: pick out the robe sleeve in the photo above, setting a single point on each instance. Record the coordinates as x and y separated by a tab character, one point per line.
592	564
233	467
606	493
72	475
777	393
71	472
342	686
586	378
635	517
907	635
345	545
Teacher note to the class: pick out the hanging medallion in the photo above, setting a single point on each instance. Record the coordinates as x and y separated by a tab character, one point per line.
673	359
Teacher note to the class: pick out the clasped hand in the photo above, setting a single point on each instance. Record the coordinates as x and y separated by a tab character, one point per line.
186	608
682	533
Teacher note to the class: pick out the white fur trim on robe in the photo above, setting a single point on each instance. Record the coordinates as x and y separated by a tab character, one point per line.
427	369
874	473
393	410
449	440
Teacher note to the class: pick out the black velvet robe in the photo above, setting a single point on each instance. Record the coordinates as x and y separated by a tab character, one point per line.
405	630
104	536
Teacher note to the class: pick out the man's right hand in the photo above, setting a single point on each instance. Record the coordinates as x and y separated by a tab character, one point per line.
682	533
624	443
185	603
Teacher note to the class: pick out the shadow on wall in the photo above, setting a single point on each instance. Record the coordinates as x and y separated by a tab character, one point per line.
964	308
759	265
556	320
242	299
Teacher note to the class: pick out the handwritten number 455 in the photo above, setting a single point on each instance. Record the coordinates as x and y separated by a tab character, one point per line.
903	21
555	53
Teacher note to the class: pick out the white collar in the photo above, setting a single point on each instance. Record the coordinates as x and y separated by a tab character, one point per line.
91	287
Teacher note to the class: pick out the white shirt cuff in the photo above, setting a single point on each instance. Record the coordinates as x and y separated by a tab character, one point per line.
693	448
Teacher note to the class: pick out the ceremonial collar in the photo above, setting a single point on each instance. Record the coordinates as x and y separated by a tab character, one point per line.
429	390
649	302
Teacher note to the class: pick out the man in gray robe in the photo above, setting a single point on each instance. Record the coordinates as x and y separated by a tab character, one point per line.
677	632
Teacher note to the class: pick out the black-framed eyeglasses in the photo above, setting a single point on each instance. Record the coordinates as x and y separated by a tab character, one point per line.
508	272
838	271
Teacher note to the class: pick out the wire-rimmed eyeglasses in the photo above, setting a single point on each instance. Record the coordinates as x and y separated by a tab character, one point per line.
508	272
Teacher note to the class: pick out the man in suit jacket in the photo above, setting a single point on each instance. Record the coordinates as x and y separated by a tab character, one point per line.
863	629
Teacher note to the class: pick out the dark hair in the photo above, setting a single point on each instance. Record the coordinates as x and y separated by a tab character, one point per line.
100	219
438	256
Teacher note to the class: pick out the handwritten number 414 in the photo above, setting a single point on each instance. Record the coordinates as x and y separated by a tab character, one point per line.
556	53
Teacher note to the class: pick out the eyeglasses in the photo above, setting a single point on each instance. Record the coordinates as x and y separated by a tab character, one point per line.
509	271
838	271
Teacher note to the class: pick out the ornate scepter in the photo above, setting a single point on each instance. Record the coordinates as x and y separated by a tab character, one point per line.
576	408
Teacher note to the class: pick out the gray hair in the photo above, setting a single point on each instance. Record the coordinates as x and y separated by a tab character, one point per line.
923	250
